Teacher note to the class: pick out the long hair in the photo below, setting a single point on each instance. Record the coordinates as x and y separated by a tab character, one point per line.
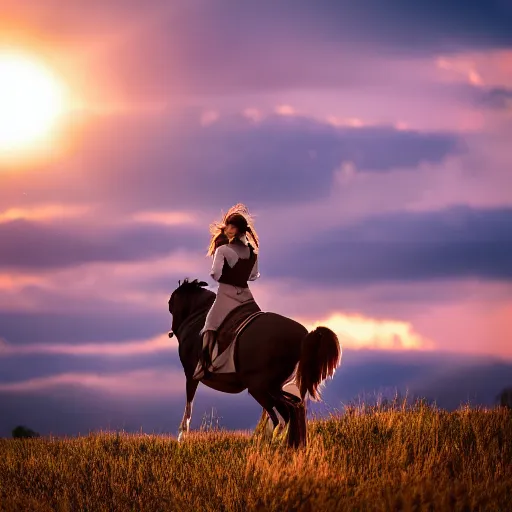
218	237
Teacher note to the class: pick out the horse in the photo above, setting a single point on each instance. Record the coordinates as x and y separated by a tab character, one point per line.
272	351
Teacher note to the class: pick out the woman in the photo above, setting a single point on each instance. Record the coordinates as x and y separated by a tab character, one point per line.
235	263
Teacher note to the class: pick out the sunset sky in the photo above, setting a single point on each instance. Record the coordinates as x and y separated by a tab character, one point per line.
371	141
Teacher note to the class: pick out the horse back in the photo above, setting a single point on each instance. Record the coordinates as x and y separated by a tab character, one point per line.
270	347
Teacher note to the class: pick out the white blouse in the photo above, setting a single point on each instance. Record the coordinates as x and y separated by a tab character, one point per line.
226	252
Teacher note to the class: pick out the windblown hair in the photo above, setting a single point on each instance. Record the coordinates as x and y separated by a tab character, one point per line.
235	213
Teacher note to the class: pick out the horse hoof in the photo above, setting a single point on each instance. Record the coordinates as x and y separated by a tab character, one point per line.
180	437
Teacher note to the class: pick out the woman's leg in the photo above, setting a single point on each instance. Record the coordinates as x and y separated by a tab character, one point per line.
205	358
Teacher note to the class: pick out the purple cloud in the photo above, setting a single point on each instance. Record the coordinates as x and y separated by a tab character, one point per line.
456	242
114	325
33	245
498	98
179	164
69	409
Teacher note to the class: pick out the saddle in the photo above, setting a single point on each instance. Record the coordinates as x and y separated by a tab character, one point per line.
234	323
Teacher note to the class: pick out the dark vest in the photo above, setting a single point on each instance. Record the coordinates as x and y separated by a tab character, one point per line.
240	273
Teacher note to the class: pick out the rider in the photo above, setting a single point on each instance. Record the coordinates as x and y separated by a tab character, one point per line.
235	262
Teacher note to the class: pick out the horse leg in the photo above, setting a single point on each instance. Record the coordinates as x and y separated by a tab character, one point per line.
292	410
286	412
191	388
299	406
266	401
282	407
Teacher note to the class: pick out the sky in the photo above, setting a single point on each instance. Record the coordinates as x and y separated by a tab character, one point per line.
371	142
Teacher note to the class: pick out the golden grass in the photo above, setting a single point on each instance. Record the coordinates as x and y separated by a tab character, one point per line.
401	459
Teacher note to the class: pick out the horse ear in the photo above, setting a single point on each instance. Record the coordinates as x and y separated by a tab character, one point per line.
202	284
179	282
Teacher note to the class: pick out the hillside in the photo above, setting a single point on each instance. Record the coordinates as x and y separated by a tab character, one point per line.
416	459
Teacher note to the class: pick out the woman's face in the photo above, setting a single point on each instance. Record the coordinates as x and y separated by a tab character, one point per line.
231	231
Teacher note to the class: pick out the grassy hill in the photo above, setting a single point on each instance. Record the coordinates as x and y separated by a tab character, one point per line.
401	459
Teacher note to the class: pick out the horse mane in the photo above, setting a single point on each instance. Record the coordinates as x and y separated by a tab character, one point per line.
188	285
190	289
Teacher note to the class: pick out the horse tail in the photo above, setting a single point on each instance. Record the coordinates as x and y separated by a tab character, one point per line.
319	357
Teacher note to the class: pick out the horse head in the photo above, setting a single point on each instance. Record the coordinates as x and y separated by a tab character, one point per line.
185	299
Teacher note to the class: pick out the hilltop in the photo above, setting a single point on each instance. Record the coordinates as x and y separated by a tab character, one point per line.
369	459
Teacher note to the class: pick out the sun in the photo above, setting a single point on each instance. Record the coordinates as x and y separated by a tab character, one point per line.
32	102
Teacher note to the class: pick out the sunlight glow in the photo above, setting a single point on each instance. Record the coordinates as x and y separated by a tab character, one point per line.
359	332
47	212
32	101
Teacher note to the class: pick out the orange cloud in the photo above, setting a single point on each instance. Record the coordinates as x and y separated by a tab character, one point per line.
12	282
358	331
171	218
285	110
490	68
460	66
44	212
353	122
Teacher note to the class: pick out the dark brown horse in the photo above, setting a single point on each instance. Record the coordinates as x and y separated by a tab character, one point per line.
271	351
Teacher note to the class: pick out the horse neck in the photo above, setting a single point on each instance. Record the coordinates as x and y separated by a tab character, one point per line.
197	317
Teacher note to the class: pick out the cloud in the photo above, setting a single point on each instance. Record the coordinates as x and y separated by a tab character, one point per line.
45	213
180	165
355	331
464	315
94	288
496	98
451	379
487	98
169	218
28	244
115	324
199	50
454	242
80	401
209	117
422	27
136	384
359	331
489	68
127	348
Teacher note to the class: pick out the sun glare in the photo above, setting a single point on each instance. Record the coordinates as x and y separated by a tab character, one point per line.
32	101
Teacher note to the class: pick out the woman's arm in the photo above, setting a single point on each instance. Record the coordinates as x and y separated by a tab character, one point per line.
254	272
218	263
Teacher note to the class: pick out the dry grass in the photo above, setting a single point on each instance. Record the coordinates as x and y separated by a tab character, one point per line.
401	459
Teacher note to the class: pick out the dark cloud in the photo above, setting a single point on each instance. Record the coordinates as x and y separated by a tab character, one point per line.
20	367
291	159
179	164
417	27
110	325
450	379
75	410
39	245
234	47
228	47
496	98
456	242
484	97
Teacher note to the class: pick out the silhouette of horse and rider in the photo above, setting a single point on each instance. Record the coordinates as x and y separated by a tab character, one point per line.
227	343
